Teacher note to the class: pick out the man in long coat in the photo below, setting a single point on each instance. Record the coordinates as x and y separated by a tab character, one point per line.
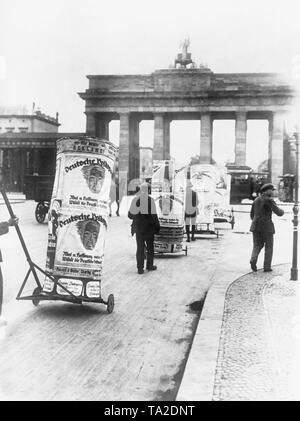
191	208
262	226
145	224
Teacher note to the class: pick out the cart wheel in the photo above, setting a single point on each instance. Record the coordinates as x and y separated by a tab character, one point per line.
110	303
40	212
36	301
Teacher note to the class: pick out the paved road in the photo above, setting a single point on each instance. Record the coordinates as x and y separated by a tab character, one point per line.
61	351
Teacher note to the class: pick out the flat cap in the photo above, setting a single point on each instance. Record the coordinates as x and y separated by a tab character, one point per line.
267	186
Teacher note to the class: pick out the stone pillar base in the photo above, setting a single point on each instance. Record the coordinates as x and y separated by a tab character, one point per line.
240	138
276	130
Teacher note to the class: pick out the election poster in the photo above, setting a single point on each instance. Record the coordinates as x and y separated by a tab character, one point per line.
167	189
78	215
203	179
222	208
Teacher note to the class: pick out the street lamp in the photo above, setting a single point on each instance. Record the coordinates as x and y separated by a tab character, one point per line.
294	269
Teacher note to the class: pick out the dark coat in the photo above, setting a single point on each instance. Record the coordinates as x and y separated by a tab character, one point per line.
4	227
191	203
145	221
261	214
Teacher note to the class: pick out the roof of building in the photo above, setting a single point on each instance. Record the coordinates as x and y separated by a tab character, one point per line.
37	116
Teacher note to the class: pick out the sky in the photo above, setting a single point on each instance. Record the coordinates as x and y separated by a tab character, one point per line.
48	47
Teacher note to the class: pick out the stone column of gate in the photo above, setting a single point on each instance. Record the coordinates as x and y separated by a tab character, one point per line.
102	126
134	153
240	138
206	139
276	130
292	156
166	137
123	154
158	144
90	123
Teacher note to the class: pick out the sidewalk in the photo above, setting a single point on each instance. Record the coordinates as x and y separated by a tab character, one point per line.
248	341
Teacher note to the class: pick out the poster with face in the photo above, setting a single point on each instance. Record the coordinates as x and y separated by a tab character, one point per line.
203	179
222	193
168	193
78	215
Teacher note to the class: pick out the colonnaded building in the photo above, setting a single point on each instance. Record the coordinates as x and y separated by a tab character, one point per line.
182	92
185	92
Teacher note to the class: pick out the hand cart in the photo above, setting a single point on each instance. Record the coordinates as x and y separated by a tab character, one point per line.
38	293
222	210
165	244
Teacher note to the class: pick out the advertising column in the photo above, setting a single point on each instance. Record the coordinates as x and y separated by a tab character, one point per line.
222	193
203	178
168	186
78	215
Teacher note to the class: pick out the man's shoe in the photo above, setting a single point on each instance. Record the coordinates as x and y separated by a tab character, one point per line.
188	240
268	270
253	266
152	267
140	271
193	239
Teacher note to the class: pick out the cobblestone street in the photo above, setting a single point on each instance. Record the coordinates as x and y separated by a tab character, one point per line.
258	348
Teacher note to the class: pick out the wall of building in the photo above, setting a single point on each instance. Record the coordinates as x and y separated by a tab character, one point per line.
182	80
15	124
40	126
121	83
24	124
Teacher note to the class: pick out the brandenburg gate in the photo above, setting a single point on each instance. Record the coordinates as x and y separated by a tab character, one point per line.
188	92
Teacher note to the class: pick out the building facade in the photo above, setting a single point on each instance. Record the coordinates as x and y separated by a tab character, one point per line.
27	146
24	154
18	120
183	93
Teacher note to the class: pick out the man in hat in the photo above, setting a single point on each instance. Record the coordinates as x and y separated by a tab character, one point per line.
262	226
145	224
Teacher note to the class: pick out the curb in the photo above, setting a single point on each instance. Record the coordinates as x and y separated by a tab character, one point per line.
198	379
199	376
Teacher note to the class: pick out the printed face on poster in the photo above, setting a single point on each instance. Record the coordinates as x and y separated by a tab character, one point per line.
168	193
203	178
168	187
